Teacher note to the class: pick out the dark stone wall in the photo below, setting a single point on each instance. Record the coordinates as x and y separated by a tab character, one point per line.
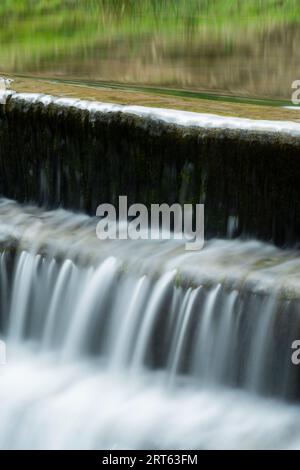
61	156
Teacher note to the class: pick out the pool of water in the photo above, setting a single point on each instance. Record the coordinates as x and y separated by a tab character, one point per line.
247	48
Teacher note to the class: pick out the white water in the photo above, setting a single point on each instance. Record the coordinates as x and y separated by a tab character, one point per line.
139	344
170	116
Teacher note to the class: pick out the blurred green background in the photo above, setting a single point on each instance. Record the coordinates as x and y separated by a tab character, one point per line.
241	47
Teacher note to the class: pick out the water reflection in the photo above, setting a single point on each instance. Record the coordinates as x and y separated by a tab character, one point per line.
245	48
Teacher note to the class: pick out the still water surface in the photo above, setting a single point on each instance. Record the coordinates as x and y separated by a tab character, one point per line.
247	48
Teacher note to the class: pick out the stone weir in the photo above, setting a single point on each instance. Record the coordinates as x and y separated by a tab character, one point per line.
78	154
227	315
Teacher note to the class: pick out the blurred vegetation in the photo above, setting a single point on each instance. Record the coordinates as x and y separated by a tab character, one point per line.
34	34
227	10
32	29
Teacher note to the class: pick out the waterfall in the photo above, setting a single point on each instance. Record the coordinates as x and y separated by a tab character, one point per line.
140	344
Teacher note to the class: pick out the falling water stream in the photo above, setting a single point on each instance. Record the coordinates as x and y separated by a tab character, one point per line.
141	344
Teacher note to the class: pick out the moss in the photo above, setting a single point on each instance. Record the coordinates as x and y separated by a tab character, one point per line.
177	280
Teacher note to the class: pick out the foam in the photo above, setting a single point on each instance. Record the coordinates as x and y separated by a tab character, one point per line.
168	116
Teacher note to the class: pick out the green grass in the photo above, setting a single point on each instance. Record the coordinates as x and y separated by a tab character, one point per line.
33	31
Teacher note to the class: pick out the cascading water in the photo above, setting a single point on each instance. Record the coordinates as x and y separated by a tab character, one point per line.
139	344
